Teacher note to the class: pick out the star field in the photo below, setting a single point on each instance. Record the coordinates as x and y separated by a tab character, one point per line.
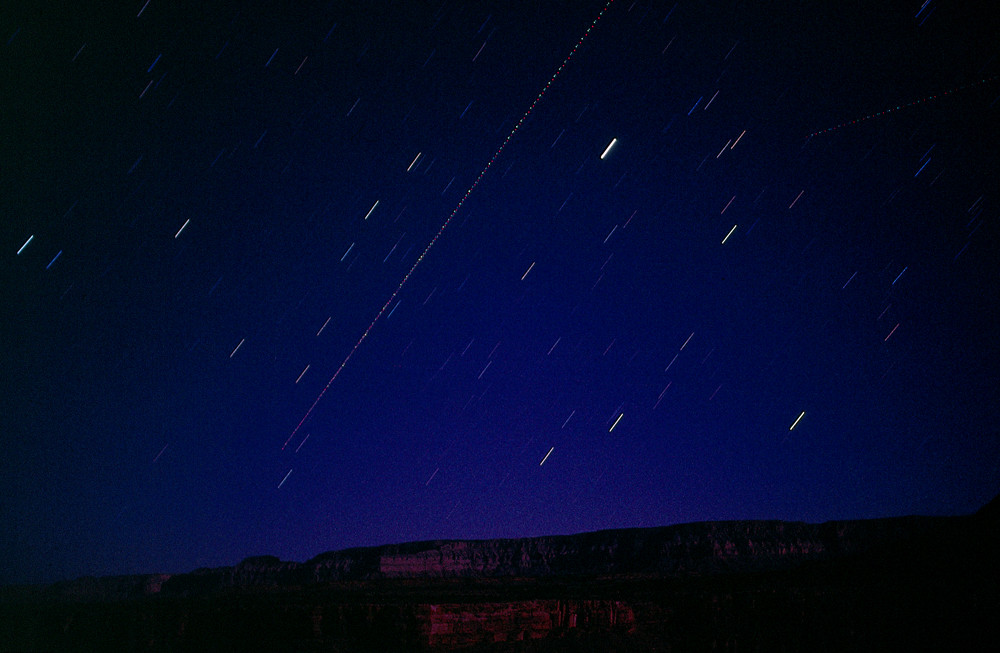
288	279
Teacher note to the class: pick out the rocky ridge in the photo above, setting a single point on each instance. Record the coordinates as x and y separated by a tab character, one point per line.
908	583
697	549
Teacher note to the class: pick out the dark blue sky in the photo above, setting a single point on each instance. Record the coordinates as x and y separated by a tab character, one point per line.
190	251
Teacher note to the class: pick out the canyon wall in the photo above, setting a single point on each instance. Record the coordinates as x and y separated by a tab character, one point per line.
891	584
686	549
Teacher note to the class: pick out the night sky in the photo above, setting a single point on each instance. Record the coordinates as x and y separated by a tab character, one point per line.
208	213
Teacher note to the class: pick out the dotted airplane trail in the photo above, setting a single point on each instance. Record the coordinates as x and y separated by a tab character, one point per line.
905	106
444	226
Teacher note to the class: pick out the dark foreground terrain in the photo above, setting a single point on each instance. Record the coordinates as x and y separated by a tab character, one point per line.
911	583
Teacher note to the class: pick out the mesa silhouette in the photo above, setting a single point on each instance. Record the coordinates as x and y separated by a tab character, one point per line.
905	583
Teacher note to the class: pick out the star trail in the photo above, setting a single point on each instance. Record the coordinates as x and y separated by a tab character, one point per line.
288	279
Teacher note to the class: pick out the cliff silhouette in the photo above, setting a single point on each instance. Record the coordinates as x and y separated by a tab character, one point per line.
906	583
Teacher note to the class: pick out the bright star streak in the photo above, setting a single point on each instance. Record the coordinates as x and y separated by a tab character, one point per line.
303	442
608	148
796	199
26	243
899	275
237	348
54	258
801	415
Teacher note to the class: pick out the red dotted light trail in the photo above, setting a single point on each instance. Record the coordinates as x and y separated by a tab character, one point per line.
905	106
444	226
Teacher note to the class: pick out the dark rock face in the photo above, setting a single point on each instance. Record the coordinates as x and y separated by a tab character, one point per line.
687	549
889	584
